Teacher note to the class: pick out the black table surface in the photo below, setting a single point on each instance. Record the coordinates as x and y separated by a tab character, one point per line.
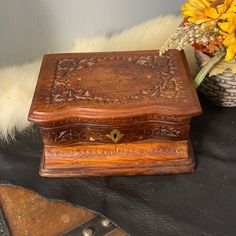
202	203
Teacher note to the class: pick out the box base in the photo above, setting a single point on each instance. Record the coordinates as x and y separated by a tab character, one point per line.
121	159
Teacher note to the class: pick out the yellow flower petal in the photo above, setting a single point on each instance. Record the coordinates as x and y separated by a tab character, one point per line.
221	8
189	7
232	7
199	20
226	3
200	3
231	52
227	27
211	12
188	13
230	39
231	17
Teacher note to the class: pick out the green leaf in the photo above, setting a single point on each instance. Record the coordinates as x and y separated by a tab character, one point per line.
206	68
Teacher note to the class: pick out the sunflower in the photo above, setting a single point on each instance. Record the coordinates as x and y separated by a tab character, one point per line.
228	30
206	11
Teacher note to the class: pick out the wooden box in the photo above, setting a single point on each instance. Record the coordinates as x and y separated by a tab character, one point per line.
115	113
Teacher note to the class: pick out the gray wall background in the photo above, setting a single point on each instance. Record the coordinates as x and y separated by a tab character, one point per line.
30	28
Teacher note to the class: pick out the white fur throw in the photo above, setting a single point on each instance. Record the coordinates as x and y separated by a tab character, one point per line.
17	83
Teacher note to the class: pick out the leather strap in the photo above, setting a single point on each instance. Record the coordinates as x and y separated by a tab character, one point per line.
94	227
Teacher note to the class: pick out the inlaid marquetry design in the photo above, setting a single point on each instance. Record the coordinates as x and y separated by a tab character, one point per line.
98	134
109	80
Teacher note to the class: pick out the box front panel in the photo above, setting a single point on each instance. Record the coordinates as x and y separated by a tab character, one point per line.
113	132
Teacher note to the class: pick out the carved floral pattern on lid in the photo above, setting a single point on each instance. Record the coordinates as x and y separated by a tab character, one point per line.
115	79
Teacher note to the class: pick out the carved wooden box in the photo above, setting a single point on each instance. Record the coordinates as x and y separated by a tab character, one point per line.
115	113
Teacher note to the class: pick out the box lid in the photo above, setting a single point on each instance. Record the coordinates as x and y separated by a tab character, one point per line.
113	85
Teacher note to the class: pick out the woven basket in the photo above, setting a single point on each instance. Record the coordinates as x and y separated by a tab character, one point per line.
220	89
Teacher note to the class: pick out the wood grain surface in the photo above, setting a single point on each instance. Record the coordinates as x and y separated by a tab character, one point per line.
114	113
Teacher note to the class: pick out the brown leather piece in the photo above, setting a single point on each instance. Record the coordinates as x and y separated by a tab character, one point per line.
27	213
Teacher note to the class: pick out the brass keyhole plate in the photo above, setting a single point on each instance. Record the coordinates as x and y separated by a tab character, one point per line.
115	135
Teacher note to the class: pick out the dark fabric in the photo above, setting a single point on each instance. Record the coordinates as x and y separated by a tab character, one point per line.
202	203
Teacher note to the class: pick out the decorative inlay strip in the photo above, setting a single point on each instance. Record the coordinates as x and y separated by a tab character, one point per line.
76	134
